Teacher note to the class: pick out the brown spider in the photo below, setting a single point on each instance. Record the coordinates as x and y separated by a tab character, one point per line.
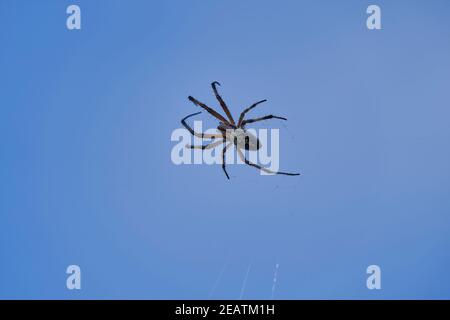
231	132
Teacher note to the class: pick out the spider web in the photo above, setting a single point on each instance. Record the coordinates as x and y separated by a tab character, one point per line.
252	179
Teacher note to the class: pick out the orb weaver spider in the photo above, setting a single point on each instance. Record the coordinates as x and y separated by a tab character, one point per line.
230	132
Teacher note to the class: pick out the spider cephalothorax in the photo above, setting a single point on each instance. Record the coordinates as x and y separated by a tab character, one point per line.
231	133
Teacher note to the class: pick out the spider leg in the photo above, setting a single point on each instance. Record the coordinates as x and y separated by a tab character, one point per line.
241	155
223	159
210	110
222	103
241	118
199	135
207	146
262	118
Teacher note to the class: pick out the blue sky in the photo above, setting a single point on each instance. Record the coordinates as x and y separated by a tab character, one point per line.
85	124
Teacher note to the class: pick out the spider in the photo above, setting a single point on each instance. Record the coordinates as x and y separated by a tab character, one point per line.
229	131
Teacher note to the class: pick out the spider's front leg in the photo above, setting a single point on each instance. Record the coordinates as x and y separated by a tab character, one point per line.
222	103
241	118
271	116
199	135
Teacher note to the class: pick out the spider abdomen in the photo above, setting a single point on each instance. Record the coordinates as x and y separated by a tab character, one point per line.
243	139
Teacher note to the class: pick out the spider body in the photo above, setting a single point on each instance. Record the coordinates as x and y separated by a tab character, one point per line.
231	133
243	139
